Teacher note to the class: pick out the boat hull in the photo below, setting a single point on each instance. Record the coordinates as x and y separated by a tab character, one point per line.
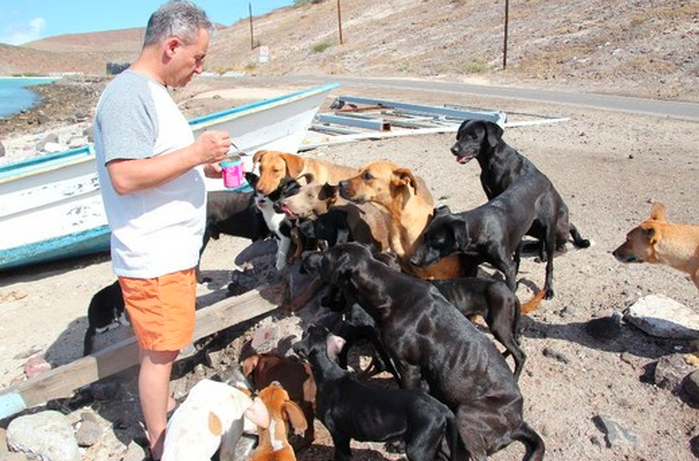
51	206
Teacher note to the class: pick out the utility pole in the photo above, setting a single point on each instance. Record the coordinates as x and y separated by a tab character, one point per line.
339	20
504	49
252	36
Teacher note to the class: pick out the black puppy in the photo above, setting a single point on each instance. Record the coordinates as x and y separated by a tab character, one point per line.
501	165
106	310
489	233
351	410
498	305
432	341
232	213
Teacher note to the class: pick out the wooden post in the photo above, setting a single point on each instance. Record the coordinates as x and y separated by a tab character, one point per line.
507	20
339	20
252	36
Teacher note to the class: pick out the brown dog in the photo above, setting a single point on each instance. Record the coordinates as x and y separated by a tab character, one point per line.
365	222
275	166
294	375
408	202
657	241
272	411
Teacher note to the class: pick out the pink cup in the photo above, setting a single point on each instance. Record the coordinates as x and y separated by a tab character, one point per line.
233	174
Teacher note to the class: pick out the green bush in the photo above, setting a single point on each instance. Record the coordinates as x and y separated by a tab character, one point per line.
320	47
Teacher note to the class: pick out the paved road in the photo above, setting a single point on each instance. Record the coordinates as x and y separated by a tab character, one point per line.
670	109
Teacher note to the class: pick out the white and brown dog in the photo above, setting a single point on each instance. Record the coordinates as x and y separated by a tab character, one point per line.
658	241
211	416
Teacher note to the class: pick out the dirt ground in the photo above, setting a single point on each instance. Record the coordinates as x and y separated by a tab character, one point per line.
608	166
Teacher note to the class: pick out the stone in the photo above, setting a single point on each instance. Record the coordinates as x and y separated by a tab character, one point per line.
614	432
690	385
88	434
51	138
76	141
604	328
53	147
2	149
663	317
670	371
47	434
36	366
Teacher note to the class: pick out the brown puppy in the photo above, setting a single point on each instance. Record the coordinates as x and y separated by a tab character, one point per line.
272	410
408	202
294	375
367	224
657	241
275	166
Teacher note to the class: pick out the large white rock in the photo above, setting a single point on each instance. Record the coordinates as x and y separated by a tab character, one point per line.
663	317
47	434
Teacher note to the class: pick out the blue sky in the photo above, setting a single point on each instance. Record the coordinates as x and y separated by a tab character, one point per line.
23	21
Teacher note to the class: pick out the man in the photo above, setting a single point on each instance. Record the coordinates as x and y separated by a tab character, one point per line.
150	170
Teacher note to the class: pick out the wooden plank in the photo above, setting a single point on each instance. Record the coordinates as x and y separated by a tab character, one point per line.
62	381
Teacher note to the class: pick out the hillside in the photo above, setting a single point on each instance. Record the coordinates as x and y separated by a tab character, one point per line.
640	47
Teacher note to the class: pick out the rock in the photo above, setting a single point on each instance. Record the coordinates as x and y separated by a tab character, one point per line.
88	434
76	141
47	434
51	138
2	149
3	443
663	317
134	452
614	433
691	386
604	328
670	371
36	366
53	147
556	355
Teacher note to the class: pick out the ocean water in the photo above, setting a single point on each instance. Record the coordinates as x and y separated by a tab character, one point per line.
15	97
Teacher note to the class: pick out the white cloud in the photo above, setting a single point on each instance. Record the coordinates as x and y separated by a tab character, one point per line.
18	34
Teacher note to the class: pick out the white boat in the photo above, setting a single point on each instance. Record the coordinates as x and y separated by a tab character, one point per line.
51	207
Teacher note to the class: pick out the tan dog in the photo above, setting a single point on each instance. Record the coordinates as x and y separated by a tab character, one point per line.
408	202
271	411
657	241
274	166
365	222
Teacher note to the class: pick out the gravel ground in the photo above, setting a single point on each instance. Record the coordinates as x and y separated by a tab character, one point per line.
608	166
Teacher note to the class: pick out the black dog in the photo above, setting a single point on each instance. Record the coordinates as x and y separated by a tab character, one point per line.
493	300
501	165
351	410
489	233
106	310
429	339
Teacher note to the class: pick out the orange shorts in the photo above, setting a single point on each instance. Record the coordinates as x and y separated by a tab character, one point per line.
161	309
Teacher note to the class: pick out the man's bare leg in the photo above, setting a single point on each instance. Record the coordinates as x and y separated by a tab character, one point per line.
154	393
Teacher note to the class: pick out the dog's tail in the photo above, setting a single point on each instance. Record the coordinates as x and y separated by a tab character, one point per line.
532	441
451	443
533	303
578	241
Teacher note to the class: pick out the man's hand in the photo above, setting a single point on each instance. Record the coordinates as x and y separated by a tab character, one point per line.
212	146
213	170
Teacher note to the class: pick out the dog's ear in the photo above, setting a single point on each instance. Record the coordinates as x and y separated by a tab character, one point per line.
215	424
257	158
294	165
295	416
442	211
460	232
651	233
494	133
258	413
329	192
334	345
308	177
405	177
249	364
340	269
657	212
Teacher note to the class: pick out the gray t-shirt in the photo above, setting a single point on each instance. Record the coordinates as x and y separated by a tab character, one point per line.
155	231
